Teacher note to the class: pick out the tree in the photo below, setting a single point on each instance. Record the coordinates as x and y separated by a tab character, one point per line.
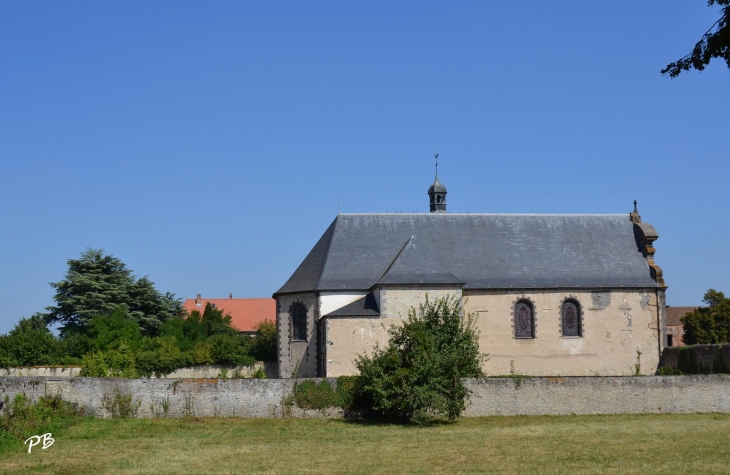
110	331
418	376
264	345
29	343
715	43
96	284
711	324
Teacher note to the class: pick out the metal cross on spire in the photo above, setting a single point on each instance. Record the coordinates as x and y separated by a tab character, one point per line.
436	156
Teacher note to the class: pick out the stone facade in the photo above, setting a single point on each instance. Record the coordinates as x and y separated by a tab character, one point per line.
615	326
396	301
297	358
489	397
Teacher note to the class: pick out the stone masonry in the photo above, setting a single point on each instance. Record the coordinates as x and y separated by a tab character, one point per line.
490	397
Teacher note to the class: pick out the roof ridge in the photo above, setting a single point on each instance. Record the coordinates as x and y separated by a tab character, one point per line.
394	259
451	215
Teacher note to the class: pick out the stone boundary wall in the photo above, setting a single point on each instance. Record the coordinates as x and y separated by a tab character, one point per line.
262	398
202	371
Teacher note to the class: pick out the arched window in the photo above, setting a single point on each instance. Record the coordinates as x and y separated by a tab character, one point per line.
524	320
570	316
438	198
298	314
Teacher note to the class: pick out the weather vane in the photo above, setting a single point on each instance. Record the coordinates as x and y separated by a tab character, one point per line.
436	156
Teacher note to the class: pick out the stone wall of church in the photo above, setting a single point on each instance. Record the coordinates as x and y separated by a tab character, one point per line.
396	301
616	326
348	337
352	336
296	358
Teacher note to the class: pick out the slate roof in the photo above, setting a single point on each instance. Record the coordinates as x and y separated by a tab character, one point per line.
483	251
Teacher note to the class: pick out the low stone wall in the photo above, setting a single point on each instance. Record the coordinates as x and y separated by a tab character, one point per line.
43	371
261	398
599	395
203	371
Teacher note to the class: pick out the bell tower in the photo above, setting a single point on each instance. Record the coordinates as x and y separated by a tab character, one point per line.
437	192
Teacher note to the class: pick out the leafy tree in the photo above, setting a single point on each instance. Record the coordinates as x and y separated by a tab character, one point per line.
162	355
195	328
715	43
108	332
231	350
264	344
711	324
29	343
96	284
418	375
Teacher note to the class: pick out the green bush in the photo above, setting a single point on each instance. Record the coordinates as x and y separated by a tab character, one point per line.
231	350
346	391
201	354
119	363
310	395
417	377
161	356
20	419
29	343
264	344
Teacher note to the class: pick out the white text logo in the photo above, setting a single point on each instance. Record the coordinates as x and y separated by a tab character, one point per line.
37	439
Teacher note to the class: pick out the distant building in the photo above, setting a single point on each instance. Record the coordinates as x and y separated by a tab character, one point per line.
246	314
675	329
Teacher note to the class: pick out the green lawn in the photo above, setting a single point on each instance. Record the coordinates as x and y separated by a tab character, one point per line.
573	444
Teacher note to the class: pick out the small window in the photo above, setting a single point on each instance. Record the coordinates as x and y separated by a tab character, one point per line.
212	305
524	320
438	198
669	340
298	313
571	318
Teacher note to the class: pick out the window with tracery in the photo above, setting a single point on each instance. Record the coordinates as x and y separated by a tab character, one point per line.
524	320
298	314
571	318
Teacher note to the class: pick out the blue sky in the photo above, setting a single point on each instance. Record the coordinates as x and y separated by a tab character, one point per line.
206	143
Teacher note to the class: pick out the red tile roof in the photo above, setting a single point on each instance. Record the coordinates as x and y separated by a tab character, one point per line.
246	314
675	313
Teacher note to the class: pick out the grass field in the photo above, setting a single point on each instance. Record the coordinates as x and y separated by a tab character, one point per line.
573	444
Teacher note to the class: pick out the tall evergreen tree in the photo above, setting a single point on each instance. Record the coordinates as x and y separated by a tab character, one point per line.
96	284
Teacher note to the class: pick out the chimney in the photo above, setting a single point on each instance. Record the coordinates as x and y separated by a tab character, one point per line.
198	301
230	296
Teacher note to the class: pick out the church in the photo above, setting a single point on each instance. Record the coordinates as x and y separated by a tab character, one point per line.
554	295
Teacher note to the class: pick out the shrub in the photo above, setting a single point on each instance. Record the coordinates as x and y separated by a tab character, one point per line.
119	363
230	350
162	358
21	419
310	395
417	377
29	343
264	344
201	354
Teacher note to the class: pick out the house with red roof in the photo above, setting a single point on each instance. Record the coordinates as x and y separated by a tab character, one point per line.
246	314
675	327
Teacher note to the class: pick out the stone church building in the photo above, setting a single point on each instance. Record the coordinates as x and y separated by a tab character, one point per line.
554	295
